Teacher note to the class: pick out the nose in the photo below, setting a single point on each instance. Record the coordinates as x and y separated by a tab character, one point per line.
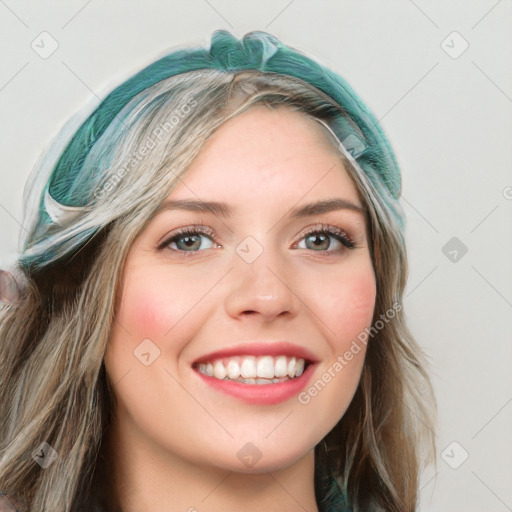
262	288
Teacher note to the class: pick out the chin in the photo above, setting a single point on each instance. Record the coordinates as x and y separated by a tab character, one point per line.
254	459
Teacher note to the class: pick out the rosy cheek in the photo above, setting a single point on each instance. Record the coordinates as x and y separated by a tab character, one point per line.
140	310
363	300
148	317
353	308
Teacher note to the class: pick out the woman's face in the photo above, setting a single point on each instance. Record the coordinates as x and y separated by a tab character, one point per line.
259	284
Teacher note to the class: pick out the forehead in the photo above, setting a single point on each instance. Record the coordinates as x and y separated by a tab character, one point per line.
267	155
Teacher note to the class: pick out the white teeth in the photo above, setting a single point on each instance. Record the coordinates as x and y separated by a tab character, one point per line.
254	370
265	368
248	368
219	372
281	366
233	369
291	367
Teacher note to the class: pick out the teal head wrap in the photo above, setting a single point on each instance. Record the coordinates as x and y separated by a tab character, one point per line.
68	191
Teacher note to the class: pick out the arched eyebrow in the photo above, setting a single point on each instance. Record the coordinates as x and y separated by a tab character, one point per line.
225	210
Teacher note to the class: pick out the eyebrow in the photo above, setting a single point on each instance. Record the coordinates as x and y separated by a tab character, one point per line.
225	210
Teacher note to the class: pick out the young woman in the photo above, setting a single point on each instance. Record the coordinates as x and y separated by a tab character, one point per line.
206	314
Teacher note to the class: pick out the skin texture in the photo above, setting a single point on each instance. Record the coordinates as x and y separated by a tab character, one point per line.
174	440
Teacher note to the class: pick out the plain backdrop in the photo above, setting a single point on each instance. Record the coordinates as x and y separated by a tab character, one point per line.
436	74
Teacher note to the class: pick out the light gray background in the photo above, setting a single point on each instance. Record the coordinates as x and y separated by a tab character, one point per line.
447	115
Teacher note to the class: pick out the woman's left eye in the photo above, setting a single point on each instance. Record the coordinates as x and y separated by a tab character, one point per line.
321	238
188	240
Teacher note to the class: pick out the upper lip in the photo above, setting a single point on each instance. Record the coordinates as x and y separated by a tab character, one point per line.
270	348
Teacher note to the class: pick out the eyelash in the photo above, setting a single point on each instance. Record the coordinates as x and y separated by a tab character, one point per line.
196	229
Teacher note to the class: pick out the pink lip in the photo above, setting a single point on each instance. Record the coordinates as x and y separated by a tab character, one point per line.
264	394
276	348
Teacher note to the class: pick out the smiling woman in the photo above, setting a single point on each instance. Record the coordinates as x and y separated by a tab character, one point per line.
209	315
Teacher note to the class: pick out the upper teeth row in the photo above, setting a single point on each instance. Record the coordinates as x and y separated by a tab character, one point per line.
251	367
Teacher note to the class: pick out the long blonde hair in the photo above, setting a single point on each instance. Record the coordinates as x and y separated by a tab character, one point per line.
54	388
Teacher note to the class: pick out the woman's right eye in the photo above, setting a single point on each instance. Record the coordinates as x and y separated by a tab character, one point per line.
188	240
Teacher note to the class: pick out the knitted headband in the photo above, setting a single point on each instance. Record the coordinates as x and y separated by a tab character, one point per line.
67	192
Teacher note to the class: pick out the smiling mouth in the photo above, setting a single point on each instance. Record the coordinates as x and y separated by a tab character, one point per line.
258	370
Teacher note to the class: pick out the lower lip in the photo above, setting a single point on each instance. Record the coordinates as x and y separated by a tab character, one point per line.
264	394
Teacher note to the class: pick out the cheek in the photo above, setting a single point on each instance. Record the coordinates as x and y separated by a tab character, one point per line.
348	305
357	301
157	303
141	312
147	307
